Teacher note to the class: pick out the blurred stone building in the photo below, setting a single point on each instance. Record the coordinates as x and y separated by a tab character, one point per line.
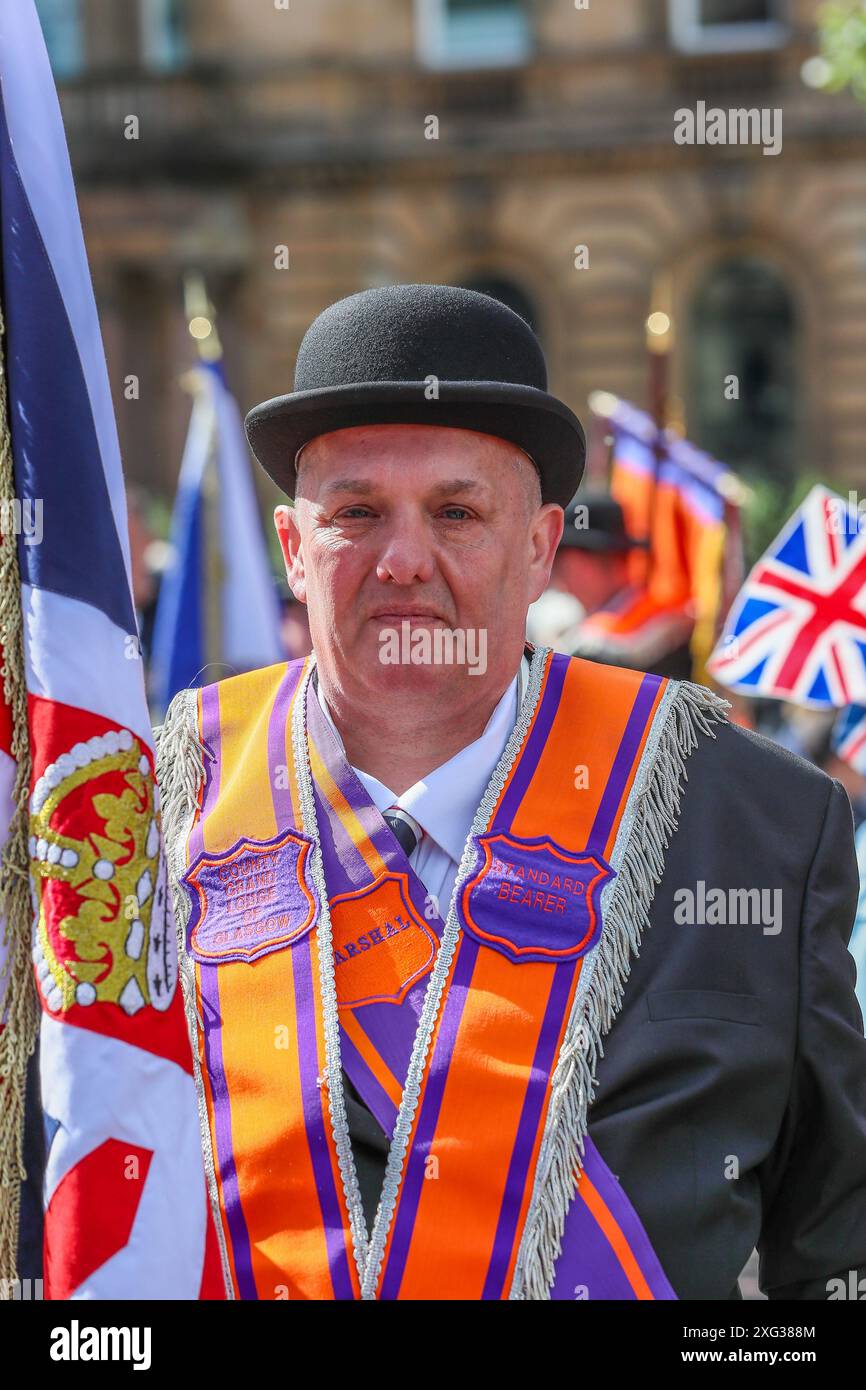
299	150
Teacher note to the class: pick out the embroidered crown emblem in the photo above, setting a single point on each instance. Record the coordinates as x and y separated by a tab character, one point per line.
98	880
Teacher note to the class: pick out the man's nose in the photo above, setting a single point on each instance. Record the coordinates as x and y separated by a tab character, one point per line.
407	552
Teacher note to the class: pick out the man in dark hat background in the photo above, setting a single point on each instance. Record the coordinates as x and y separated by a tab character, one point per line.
613	625
481	862
590	569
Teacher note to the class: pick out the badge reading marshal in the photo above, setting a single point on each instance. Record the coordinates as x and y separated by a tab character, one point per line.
251	899
382	946
532	900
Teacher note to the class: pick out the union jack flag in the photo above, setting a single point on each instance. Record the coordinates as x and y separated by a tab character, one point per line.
797	629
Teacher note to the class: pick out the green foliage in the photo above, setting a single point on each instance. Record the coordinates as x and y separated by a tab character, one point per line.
768	510
842	31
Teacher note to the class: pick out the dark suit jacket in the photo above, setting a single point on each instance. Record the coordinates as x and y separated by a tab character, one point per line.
737	1050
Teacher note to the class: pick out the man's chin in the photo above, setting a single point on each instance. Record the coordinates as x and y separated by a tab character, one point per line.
410	678
389	671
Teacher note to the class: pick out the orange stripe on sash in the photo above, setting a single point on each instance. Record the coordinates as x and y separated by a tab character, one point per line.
209	1105
615	1237
352	826
383	1074
244	770
611	840
527	1195
288	1247
502	1019
565	798
205	1074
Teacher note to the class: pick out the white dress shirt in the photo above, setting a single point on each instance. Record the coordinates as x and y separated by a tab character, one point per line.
445	801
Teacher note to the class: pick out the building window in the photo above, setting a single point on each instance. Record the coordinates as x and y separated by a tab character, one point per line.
742	335
163	34
725	26
473	33
64	35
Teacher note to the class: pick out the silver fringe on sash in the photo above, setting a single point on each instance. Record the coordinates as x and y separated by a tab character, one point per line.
180	772
650	819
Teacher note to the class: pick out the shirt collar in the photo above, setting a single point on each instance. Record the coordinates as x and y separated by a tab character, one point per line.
445	801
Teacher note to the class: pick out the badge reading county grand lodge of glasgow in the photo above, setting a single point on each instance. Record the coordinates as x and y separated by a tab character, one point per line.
251	899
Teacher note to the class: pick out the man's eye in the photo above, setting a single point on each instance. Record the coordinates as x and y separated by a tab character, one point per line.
450	513
350	513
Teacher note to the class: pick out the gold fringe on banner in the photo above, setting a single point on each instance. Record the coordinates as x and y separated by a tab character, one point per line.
19	1002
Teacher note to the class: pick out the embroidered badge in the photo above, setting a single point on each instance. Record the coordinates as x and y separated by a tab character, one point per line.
251	899
533	900
381	944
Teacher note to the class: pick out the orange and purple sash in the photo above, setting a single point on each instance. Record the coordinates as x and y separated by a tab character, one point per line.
524	932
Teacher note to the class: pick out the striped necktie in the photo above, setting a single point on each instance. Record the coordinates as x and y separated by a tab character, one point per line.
406	831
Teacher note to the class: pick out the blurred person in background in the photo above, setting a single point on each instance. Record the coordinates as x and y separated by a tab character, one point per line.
589	572
294	624
144	551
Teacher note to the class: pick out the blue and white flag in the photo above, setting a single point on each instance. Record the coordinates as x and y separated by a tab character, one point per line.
126	1210
218	610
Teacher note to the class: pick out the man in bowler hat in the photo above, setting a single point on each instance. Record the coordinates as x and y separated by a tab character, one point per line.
666	1006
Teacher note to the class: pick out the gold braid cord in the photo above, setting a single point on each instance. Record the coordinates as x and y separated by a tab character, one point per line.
19	1005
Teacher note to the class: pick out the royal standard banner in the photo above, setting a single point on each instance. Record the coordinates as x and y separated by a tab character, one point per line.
126	1213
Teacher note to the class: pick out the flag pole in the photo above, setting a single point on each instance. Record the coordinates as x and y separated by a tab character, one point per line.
19	1005
659	330
201	323
201	317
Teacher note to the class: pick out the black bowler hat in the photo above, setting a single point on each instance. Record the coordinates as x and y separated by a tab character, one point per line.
595	521
369	360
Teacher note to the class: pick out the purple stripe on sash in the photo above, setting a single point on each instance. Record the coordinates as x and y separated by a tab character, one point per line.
305	1012
391	1028
588	1267
279	739
534	745
212	1019
404	1220
521	1157
313	1095
355	793
623	764
376	1099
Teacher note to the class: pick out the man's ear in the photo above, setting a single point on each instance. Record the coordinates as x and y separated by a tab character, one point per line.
286	522
546	533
